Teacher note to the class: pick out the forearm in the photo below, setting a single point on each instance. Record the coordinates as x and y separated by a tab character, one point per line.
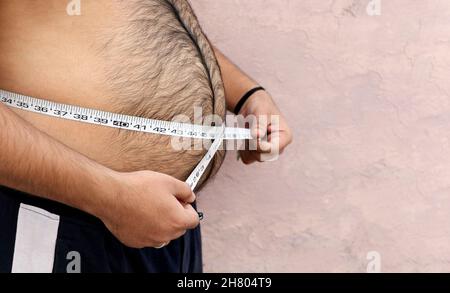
236	82
33	162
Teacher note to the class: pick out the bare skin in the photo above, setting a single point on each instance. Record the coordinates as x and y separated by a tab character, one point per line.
272	138
45	53
61	160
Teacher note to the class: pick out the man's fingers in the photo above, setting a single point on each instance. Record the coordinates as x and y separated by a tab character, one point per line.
250	157
243	156
259	128
274	146
264	146
285	139
272	140
182	191
283	132
247	157
278	142
192	219
260	141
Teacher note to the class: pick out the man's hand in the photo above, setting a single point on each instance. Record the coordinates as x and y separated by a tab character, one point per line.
142	209
149	209
273	135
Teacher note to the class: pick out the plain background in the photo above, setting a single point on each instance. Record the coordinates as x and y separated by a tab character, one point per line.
368	98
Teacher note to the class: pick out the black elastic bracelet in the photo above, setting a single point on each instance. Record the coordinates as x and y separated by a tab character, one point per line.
244	99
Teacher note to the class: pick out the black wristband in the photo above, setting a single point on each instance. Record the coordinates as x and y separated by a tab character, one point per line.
244	99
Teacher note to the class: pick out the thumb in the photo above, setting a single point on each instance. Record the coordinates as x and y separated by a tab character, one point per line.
182	191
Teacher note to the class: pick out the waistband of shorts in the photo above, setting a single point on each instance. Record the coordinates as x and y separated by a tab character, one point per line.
12	196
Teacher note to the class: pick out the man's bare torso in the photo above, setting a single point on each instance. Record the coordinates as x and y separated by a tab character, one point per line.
48	54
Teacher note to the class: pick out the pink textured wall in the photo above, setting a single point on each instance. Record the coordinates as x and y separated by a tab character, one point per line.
369	100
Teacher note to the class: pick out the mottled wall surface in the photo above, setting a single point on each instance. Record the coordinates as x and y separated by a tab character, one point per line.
369	100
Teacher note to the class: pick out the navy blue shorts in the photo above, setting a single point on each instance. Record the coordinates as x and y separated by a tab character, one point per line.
38	235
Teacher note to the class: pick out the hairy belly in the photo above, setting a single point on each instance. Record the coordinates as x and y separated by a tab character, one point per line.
68	62
83	87
120	151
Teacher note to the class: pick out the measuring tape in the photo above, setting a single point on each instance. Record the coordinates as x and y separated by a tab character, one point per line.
132	123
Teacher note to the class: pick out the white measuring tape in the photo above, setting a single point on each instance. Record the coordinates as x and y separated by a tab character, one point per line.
132	123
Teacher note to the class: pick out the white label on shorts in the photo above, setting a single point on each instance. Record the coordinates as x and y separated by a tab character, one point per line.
34	250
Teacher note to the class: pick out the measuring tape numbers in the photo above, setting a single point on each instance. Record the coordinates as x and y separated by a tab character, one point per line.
131	123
